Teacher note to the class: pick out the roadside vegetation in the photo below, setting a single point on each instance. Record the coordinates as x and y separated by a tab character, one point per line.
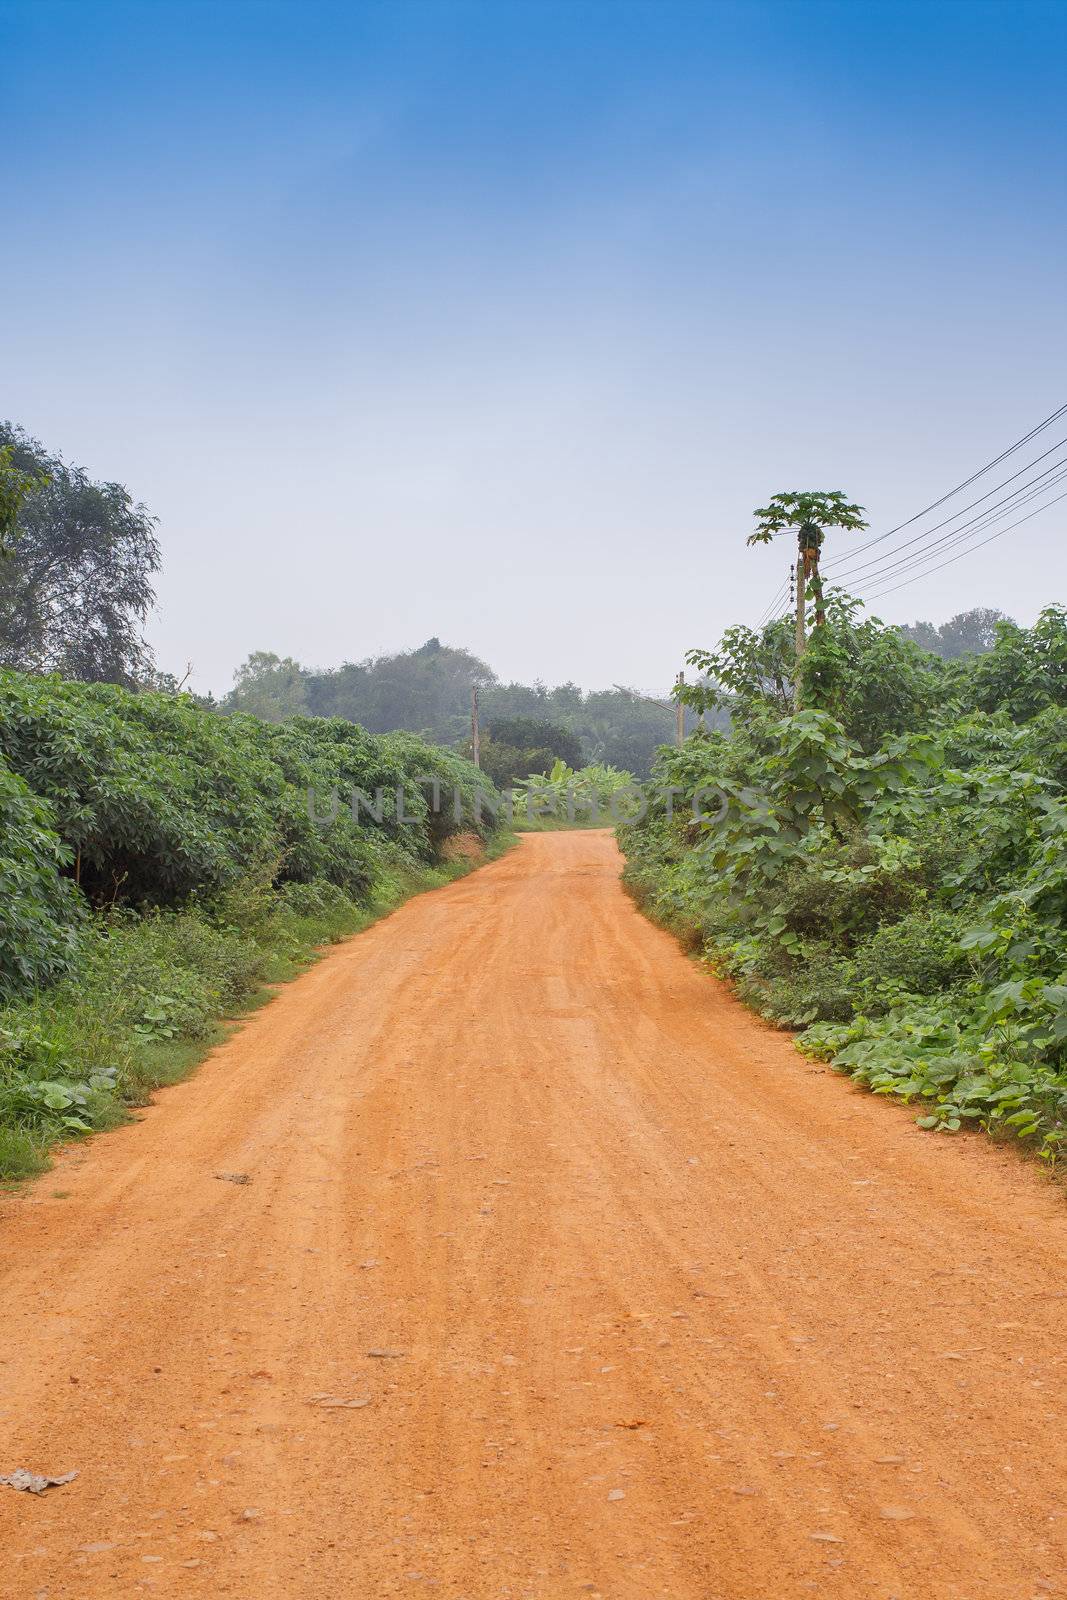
886	867
569	797
160	864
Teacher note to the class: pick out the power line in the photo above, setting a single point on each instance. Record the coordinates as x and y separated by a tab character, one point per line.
849	565
779	597
877	593
892	560
870	543
976	525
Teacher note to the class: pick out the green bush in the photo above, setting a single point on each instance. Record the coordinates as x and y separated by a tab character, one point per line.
1026	670
843	890
920	955
39	910
159	864
158	799
171	973
154	798
20	1155
906	904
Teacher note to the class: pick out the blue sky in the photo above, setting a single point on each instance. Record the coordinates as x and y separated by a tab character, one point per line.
495	320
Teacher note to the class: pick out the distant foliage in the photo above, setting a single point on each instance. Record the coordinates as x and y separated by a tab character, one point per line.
512	748
428	691
268	686
76	583
533	733
968	633
425	691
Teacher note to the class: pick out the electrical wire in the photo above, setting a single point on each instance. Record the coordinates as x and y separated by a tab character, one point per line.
875	571
877	593
1004	454
849	566
769	611
892	561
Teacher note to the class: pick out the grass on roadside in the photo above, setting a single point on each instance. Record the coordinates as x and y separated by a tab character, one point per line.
151	994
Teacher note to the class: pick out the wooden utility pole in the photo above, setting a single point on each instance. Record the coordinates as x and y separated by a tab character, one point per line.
801	601
476	749
664	705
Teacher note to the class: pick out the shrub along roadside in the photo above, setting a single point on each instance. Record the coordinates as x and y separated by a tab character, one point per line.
157	799
903	902
39	908
160	864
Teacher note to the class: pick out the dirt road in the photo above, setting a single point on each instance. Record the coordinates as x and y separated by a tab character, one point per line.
640	1303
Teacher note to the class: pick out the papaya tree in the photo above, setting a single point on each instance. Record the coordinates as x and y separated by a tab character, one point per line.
810	512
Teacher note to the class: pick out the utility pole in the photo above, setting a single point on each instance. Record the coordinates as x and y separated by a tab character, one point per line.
665	705
476	749
801	602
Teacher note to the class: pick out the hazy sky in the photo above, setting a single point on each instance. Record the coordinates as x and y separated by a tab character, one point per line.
495	319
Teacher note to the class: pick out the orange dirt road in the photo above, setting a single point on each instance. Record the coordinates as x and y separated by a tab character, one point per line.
639	1303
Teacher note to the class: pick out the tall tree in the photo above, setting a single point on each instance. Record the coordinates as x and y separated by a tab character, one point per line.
968	633
268	686
516	747
810	512
15	486
534	733
76	585
425	690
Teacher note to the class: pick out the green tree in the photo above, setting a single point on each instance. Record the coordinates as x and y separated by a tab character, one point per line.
874	681
968	633
15	485
268	686
614	725
1026	670
751	668
505	764
76	587
534	733
864	673
424	691
516	747
810	512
